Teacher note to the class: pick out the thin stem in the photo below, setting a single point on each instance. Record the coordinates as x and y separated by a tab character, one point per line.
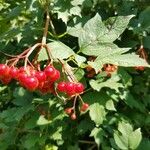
46	27
29	53
68	71
52	26
74	104
81	99
49	53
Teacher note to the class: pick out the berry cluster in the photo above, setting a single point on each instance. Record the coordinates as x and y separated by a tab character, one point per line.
70	88
70	111
30	78
74	90
33	78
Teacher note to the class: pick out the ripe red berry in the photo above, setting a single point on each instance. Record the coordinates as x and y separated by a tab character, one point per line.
4	70
79	87
21	78
31	83
73	116
84	107
49	71
6	80
61	86
70	87
32	72
68	111
55	77
41	76
14	72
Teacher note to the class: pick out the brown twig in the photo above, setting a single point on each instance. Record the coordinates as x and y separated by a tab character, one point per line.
46	27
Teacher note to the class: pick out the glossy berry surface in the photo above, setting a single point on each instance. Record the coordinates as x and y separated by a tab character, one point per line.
56	76
31	83
73	116
68	111
41	76
4	70
84	107
49	71
61	86
70	87
79	87
14	72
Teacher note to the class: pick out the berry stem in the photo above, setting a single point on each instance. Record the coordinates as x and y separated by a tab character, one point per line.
81	99
29	53
74	104
46	26
68	71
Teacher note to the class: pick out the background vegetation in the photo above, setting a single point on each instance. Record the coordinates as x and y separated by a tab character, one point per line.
111	31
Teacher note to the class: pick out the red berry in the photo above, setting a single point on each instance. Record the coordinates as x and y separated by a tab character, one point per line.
79	87
73	116
21	78
49	71
84	107
31	83
6	80
14	72
68	111
41	76
55	77
4	70
70	87
61	86
32	72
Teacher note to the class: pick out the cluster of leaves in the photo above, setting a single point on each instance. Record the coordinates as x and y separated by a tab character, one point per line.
111	31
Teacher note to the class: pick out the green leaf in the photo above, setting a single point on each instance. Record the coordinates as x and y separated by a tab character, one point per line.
144	18
145	144
98	134
111	83
43	121
57	135
135	139
30	140
92	32
110	105
58	51
129	99
126	138
22	97
96	37
2	88
82	129
79	59
120	141
79	73
117	25
31	123
51	147
97	113
126	60
146	42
